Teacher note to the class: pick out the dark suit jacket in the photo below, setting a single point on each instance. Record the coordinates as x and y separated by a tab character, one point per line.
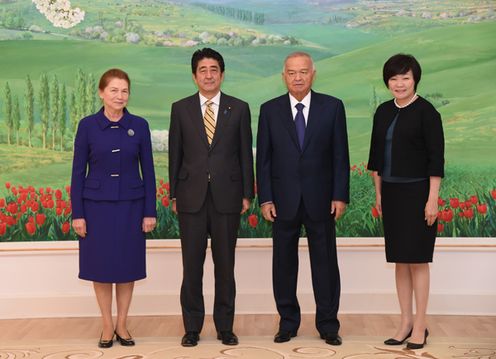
418	140
227	163
107	162
318	173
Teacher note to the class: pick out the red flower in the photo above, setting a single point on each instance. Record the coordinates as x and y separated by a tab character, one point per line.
161	181
58	194
35	206
447	215
493	193
3	228
68	189
12	207
165	201
482	208
58	211
253	220
375	212
167	186
463	205
30	228
40	219
50	203
454	202
67	211
2	202
23	208
161	191
461	214
48	190
31	219
474	199
468	213
14	191
66	227
441	202
440	227
7	185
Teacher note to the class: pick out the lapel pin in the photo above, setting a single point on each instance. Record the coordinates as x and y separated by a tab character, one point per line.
130	132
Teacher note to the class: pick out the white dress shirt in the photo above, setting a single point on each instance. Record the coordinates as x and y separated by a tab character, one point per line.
305	101
215	105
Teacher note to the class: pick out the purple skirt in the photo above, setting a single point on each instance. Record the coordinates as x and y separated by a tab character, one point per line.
114	249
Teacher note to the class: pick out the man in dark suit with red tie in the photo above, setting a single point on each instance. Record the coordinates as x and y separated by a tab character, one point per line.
303	179
211	184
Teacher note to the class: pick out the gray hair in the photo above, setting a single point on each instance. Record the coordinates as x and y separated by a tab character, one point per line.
298	54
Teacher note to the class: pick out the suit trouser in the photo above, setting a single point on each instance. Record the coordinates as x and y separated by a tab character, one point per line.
223	230
324	265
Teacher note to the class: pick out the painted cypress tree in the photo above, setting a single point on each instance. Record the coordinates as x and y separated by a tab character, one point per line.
80	95
54	108
16	118
73	115
8	111
44	99
62	115
29	107
90	95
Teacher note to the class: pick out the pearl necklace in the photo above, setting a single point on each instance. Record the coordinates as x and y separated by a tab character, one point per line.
414	97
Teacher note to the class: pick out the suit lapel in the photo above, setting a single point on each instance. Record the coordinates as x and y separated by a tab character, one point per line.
194	108
312	120
288	120
222	118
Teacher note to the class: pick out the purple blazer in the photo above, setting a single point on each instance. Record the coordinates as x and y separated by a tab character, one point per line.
107	160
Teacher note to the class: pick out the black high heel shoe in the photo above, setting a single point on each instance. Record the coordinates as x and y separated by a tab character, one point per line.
127	342
411	345
392	341
105	343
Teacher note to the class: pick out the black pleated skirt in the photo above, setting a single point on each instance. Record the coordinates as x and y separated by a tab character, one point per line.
408	238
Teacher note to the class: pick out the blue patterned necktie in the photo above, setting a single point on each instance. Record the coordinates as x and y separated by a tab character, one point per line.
300	123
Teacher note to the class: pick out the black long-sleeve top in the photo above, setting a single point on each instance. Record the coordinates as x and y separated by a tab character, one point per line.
418	140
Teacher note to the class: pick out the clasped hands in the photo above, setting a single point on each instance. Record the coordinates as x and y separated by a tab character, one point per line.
79	225
269	210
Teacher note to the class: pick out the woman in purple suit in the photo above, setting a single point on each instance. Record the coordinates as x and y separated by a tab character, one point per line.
113	207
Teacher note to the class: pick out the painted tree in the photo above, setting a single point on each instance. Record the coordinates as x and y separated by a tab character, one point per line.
54	108
44	102
16	118
90	95
8	111
73	115
62	115
29	108
80	95
374	101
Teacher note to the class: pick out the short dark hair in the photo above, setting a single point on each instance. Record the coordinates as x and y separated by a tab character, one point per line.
206	53
400	64
113	74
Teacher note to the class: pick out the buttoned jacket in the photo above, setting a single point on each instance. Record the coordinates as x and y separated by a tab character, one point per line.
317	173
226	165
108	157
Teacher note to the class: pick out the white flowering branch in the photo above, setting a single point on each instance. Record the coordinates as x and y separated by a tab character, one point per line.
60	13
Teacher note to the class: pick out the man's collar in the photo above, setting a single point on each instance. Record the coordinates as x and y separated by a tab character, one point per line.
104	122
215	99
305	101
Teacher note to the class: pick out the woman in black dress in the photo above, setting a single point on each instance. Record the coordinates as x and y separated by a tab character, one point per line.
407	159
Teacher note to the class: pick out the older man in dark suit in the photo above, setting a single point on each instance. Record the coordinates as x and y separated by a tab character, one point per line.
303	179
211	183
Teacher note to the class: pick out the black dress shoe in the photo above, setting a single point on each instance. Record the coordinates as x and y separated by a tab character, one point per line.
190	339
283	336
331	338
227	337
411	345
127	342
392	341
105	343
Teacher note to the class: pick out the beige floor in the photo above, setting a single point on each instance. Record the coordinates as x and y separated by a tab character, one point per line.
245	325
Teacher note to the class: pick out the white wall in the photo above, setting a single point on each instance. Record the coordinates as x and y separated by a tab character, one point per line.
39	279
